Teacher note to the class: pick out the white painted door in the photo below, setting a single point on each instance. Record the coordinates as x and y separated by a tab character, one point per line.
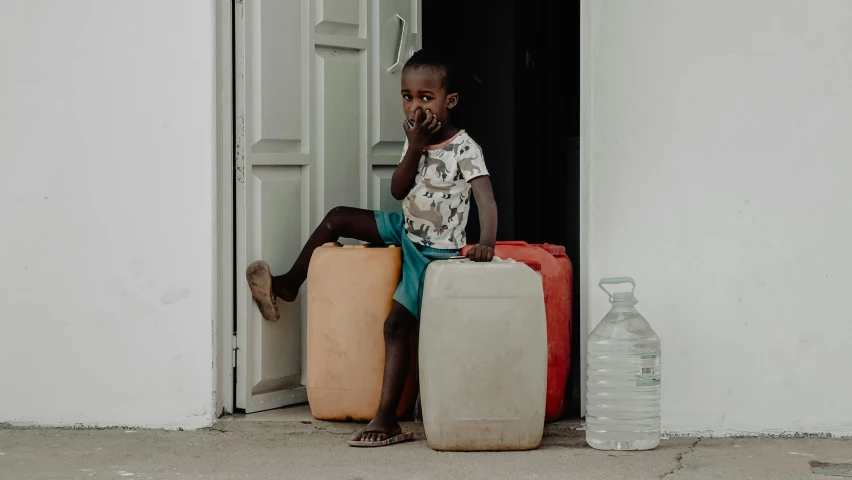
318	125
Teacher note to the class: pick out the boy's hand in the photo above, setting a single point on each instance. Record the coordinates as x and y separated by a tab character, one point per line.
420	133
481	253
484	195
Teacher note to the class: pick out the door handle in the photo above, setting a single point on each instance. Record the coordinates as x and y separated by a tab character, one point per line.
401	43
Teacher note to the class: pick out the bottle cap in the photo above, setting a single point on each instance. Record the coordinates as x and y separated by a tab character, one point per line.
623	299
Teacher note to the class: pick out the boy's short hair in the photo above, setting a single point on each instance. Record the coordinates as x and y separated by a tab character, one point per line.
437	61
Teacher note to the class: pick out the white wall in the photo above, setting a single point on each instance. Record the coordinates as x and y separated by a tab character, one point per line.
721	158
107	207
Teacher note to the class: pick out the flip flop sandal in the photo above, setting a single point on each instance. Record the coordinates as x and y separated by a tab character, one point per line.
259	278
402	437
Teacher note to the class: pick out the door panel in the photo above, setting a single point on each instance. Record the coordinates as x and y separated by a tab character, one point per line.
339	113
275	88
398	35
397	27
381	184
277	218
318	125
340	17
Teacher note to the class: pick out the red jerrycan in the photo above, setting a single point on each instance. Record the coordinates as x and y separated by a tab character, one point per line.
557	299
567	268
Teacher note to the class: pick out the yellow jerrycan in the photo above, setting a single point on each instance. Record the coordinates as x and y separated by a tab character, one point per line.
350	293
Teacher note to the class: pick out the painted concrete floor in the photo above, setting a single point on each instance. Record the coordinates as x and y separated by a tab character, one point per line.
288	444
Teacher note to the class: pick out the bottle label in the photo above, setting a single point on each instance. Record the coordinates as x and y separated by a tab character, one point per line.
649	375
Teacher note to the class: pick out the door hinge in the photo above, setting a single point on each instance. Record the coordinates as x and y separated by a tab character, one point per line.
234	351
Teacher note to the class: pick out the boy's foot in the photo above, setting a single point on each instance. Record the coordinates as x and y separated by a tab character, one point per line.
260	282
378	435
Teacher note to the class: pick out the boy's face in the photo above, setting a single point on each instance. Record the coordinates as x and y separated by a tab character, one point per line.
422	89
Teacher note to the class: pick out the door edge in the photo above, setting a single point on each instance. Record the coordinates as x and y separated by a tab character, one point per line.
223	191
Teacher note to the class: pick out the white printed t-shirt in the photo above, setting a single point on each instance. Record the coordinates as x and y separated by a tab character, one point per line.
436	209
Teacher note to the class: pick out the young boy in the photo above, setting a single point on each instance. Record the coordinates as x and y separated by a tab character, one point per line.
440	167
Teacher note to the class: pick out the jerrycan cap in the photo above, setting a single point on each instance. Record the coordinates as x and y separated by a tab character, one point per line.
620	299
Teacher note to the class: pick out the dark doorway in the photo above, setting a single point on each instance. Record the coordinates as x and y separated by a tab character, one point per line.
519	82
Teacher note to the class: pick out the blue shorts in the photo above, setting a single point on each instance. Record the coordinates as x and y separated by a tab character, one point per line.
415	259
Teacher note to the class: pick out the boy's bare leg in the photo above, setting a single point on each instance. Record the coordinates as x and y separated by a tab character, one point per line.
398	328
341	222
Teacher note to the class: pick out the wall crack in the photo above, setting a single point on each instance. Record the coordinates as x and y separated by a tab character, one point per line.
680	457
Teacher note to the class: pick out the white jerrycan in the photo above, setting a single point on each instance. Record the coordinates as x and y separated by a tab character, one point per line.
623	377
483	356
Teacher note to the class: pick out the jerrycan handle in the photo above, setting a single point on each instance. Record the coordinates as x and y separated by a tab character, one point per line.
512	243
616	281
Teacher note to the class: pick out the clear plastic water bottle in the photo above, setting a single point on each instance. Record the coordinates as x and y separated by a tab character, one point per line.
623	377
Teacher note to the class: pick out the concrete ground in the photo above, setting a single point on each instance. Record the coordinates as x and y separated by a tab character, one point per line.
306	449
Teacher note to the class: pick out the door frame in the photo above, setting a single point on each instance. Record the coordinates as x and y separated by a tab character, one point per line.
224	294
586	73
223	311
